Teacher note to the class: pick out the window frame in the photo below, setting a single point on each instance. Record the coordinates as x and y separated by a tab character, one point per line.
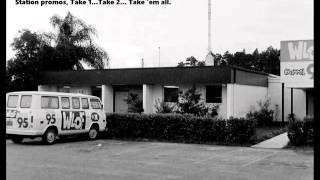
72	98
166	99
213	97
21	101
97	100
84	98
16	103
68	102
50	102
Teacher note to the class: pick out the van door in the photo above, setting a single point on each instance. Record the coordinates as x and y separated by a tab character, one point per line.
73	120
97	114
50	112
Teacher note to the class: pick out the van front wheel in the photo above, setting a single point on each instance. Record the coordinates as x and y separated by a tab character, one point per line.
17	139
93	132
49	136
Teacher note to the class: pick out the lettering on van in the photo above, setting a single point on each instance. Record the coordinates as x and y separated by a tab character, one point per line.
73	120
95	116
11	113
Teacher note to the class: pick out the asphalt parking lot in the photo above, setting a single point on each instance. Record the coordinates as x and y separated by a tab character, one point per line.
113	159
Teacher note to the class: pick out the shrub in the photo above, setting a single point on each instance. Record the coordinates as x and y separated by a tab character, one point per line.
264	115
240	130
189	103
135	103
300	132
181	128
162	107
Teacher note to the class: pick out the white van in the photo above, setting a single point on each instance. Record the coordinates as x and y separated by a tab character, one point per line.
52	114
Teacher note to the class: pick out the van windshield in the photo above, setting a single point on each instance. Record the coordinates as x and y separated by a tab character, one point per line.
95	104
12	101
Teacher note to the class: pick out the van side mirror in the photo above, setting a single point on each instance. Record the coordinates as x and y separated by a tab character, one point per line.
101	106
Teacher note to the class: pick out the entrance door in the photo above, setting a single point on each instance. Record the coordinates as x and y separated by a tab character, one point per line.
120	104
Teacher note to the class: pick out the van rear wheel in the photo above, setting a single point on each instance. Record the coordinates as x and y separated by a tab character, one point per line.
93	132
49	136
17	139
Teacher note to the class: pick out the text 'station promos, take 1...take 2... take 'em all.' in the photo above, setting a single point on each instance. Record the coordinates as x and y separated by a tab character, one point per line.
92	2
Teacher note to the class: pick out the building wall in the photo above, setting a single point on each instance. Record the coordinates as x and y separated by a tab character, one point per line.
237	100
243	98
275	95
156	94
299	103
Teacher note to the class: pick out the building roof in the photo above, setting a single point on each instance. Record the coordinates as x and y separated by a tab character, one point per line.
160	75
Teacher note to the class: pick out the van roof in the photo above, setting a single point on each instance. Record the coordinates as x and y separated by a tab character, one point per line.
50	93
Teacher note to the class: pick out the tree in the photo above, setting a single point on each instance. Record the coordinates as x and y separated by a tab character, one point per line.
191	61
66	49
270	61
190	103
135	103
73	39
22	71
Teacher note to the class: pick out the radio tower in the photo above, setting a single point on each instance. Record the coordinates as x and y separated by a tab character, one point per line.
209	61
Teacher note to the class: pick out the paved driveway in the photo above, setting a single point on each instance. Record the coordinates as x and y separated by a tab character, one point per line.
112	159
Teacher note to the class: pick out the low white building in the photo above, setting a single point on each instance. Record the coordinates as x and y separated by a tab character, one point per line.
235	90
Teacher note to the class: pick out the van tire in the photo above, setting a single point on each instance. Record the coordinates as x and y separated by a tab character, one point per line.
49	137
17	139
93	132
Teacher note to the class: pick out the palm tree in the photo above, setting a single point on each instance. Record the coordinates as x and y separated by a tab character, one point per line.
73	44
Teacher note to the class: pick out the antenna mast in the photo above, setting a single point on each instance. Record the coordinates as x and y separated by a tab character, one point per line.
209	26
209	61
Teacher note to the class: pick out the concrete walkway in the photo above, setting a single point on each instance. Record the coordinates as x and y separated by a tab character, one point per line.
277	142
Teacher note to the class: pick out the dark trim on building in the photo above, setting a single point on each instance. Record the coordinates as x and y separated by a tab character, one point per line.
165	76
234	76
248	78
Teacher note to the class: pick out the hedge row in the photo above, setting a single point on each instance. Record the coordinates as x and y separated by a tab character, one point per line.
181	128
300	132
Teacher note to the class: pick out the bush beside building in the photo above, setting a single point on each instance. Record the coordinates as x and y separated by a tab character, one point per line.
300	132
181	128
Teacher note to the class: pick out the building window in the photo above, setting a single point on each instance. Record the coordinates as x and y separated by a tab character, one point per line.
171	94
213	94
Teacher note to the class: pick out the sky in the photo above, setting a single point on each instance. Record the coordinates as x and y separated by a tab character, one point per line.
129	33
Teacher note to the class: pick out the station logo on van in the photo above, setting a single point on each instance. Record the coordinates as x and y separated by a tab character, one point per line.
73	120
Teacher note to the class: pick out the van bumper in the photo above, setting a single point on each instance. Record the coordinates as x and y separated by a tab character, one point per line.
24	132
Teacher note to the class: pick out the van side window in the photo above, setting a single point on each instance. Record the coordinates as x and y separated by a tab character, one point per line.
65	103
49	102
12	101
75	103
85	103
25	101
95	104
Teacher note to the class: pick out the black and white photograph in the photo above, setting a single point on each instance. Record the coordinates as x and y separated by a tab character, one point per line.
160	90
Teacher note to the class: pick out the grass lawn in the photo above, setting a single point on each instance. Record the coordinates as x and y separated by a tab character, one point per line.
267	132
